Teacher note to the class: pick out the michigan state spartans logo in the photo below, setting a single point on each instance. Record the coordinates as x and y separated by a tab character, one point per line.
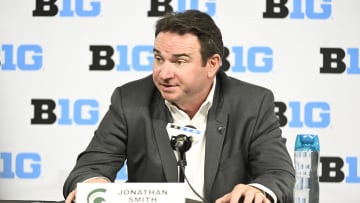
96	196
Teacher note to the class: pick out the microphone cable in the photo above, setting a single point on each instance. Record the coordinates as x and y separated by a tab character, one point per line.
182	143
182	168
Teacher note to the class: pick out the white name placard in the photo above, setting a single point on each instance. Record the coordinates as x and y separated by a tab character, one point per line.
130	193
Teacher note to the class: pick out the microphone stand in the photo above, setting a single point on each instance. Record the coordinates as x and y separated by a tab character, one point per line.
181	163
182	176
181	144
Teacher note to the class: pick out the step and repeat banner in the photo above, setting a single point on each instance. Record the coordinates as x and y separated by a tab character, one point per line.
60	60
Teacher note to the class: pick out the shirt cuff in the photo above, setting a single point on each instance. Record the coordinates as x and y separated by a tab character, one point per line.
266	190
85	181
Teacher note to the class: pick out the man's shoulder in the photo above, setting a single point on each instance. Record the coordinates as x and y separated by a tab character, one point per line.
137	91
145	82
144	86
230	83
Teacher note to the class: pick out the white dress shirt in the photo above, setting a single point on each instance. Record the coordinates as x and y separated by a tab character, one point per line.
195	157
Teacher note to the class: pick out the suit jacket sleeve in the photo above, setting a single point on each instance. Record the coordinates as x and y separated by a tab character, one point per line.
106	152
252	150
269	160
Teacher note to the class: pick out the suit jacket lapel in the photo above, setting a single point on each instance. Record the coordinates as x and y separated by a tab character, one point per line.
215	135
160	118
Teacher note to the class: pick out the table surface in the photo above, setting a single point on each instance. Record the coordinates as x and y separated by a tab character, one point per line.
62	201
30	201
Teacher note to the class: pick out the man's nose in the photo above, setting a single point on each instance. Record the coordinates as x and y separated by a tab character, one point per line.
166	71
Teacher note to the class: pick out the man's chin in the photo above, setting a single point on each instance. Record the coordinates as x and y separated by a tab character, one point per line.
169	97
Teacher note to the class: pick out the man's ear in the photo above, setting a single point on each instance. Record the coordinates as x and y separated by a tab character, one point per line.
214	63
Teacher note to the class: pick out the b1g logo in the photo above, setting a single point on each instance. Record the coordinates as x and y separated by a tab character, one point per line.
25	57
333	60
309	114
257	59
122	174
67	8
314	9
23	165
332	169
85	112
160	7
102	57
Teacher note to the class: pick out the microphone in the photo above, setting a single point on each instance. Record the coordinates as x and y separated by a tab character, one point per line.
181	143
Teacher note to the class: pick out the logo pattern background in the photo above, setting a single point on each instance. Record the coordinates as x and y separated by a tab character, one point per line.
308	57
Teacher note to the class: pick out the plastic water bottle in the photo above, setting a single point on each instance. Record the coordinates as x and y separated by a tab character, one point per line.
306	159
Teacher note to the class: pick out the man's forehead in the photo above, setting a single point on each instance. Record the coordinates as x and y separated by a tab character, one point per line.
176	45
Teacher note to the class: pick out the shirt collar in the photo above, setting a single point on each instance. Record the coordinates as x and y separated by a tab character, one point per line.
205	106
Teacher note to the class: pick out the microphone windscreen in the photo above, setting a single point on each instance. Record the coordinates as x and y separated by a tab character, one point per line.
188	130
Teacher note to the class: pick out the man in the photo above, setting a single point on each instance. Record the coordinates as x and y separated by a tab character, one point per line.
239	154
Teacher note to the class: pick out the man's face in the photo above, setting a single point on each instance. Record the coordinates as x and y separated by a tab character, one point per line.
177	70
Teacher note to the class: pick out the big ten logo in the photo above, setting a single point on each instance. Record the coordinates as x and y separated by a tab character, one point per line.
160	7
102	57
300	9
333	60
257	59
122	174
23	165
67	8
80	112
25	57
309	114
185	129
332	169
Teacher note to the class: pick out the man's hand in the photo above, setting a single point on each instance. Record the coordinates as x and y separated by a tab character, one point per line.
72	195
250	194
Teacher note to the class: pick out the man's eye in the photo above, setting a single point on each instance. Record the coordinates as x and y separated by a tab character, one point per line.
158	59
179	62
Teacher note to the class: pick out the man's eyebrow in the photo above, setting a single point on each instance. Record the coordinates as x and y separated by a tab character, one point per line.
156	51
180	55
174	55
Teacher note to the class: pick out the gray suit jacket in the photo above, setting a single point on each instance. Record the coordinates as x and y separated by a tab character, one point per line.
243	140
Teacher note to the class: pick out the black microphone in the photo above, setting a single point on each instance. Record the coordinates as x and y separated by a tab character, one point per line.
181	144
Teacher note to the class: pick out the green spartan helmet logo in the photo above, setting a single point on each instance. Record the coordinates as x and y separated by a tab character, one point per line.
96	196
